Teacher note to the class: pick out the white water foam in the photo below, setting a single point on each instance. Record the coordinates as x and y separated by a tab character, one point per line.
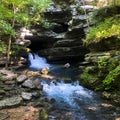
37	62
67	94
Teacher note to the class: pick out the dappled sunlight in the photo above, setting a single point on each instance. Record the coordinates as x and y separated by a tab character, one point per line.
92	108
47	76
106	105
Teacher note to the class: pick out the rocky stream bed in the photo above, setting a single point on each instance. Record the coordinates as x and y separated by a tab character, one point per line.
22	98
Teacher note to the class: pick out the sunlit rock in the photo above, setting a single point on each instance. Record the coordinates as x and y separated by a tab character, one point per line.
26	95
67	65
45	70
29	84
21	78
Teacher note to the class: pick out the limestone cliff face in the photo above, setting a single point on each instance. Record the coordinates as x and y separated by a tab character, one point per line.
63	39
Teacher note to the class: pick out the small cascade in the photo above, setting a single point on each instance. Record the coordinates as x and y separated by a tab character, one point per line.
69	95
37	62
73	97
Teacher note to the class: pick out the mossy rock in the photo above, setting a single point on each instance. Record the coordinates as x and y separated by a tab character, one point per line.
112	80
105	35
106	12
43	115
3	116
102	64
113	96
88	78
112	43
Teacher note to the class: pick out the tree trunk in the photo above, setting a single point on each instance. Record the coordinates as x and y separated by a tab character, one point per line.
8	52
10	38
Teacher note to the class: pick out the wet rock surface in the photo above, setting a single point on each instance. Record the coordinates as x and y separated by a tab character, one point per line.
23	88
37	104
61	40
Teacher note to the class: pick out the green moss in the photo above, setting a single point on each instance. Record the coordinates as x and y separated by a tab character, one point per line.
108	63
105	12
110	28
43	115
88	77
103	62
93	76
112	80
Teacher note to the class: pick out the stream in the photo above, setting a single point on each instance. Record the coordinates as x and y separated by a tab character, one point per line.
72	101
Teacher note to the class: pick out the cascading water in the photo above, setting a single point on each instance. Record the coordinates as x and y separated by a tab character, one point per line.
37	62
72	97
72	101
67	94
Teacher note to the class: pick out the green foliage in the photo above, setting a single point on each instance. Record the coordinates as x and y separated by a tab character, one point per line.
107	29
46	24
15	49
23	19
106	33
5	13
112	80
87	77
103	63
43	115
108	63
105	12
113	2
3	47
18	13
6	28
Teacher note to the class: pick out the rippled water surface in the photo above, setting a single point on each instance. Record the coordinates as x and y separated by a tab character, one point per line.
72	101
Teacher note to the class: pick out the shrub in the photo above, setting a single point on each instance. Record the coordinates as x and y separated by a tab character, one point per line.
112	80
107	29
105	12
88	77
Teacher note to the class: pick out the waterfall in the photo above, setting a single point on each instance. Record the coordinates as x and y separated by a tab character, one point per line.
37	62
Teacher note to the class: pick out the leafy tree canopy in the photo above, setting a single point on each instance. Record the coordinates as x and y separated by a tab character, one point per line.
18	13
